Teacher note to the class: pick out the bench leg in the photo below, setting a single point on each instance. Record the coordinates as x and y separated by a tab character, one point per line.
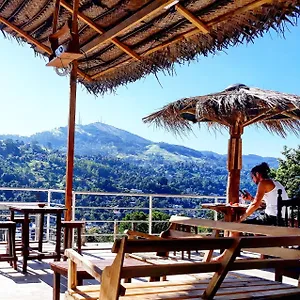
79	242
56	286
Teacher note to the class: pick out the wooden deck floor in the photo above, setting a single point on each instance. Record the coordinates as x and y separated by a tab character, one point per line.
37	283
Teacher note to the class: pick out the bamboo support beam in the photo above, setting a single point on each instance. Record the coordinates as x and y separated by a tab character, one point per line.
292	116
136	18
251	6
71	123
55	16
98	29
39	45
193	19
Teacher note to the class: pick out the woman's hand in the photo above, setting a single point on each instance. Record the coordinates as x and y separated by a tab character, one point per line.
247	196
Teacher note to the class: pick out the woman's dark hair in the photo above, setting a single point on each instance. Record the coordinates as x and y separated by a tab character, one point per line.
263	169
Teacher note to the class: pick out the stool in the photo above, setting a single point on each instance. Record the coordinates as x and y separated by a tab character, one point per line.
68	227
11	255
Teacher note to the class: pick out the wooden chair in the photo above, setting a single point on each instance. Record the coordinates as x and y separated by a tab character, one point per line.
290	218
10	256
69	227
291	211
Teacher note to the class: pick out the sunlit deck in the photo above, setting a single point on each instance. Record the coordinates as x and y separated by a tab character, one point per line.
37	283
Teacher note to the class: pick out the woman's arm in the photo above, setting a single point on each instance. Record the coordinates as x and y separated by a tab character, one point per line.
256	202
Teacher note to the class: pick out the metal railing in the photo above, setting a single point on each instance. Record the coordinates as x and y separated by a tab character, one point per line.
151	204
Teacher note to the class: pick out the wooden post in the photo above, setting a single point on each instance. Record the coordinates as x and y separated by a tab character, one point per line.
72	114
234	163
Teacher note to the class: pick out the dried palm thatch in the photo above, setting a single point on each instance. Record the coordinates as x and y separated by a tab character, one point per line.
234	108
277	112
124	40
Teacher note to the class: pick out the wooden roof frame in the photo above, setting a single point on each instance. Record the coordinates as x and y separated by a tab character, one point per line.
138	17
111	36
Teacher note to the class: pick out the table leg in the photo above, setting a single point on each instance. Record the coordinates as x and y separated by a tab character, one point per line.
12	247
58	233
41	233
25	241
12	215
56	286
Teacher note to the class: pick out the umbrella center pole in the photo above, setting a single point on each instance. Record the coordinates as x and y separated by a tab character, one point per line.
234	163
72	114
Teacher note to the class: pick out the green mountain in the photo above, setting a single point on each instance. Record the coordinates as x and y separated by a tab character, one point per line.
108	141
113	160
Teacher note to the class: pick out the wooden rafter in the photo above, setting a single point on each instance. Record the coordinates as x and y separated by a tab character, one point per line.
100	30
213	22
55	16
39	45
263	117
136	18
291	116
193	19
265	112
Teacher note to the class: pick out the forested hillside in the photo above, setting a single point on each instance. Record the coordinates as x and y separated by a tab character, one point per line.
112	160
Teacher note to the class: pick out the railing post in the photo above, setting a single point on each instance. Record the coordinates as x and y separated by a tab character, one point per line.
216	213
73	215
48	216
150	213
115	229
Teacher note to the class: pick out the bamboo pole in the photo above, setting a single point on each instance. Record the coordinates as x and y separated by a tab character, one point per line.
234	163
72	114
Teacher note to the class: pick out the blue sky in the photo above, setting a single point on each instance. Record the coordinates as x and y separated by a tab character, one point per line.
34	98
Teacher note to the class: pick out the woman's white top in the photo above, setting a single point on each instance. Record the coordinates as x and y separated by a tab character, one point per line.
270	198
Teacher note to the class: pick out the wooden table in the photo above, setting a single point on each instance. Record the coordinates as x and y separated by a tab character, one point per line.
60	268
231	213
27	252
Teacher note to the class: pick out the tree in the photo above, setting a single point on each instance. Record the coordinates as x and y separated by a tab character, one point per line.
288	172
157	227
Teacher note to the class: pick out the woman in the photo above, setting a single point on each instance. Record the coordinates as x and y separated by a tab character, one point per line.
267	192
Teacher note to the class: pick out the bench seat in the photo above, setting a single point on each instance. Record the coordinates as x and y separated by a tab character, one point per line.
248	287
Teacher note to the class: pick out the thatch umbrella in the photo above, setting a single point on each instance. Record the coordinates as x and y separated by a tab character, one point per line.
234	108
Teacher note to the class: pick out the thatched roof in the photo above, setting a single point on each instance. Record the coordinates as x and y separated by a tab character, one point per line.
124	40
275	111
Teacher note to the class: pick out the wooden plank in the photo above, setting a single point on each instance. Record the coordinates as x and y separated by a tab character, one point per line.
55	18
236	227
84	263
208	254
111	288
189	244
276	252
193	19
72	274
171	269
226	263
136	18
250	292
147	287
266	294
98	29
269	241
263	263
132	234
62	31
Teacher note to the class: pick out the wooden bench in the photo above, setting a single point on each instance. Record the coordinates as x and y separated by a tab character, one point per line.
112	289
60	268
